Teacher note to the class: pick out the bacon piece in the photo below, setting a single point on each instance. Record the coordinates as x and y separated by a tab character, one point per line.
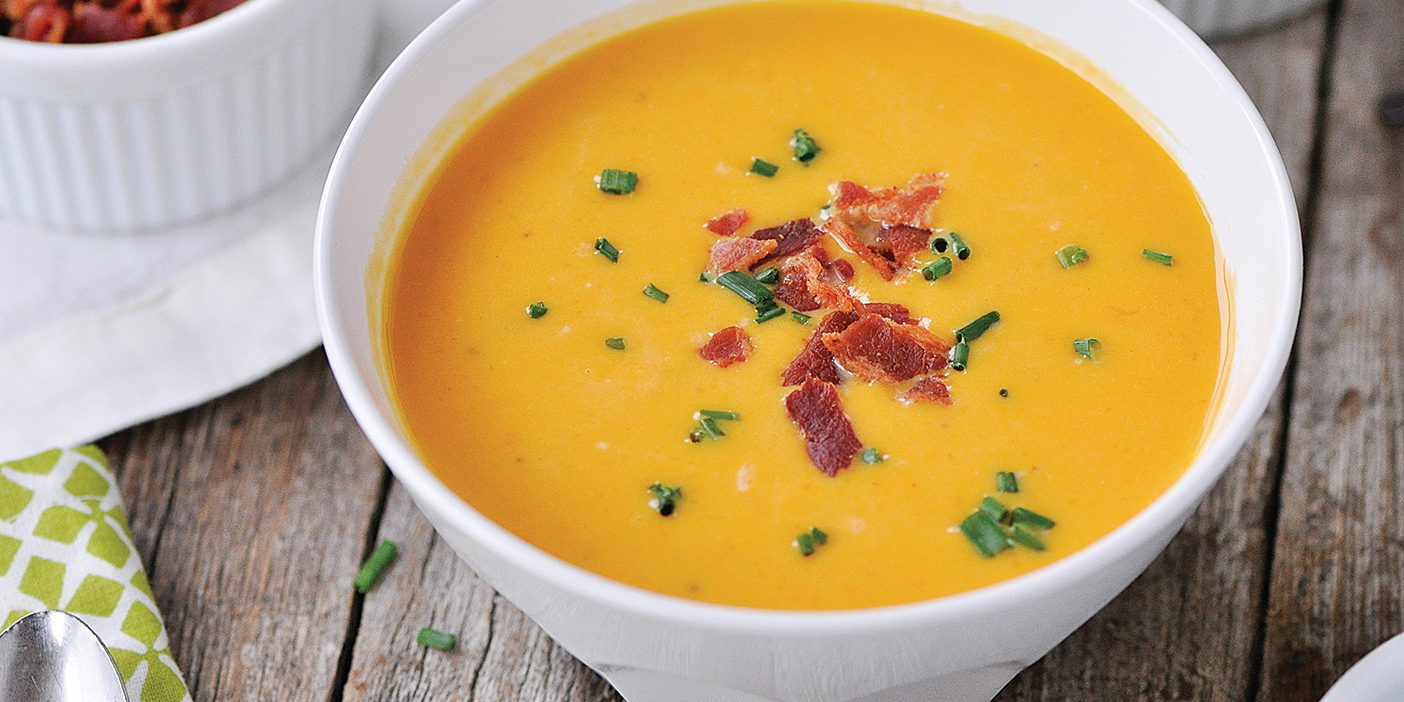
891	310
790	238
828	435
841	269
729	346
94	23
727	224
910	204
42	22
931	387
841	230
201	10
734	254
904	241
876	348
814	360
802	285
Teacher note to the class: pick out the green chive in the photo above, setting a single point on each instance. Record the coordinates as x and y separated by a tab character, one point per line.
536	310
873	456
1026	538
1071	255
744	285
938	269
616	343
809	541
769	276
940	244
1004	392
805	146
711	428
985	533
653	292
959	247
375	565
975	329
433	638
800	317
1090	349
702	278
1163	259
993	509
960	355
719	414
665	498
617	182
1006	481
1032	519
765	313
606	249
762	167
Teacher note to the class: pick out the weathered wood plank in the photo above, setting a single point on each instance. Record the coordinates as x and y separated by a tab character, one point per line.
1335	590
1188	628
251	514
502	656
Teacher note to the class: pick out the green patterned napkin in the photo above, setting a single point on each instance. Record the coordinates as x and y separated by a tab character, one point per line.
65	544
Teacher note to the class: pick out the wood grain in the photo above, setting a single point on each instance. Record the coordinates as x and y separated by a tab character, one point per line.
1336	581
251	515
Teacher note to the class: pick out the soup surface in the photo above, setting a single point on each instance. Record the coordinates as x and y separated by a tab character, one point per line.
560	436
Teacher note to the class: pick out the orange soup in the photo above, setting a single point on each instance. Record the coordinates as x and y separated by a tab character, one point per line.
806	305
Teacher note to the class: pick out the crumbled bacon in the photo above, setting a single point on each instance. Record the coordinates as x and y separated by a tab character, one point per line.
814	360
931	388
734	254
841	270
44	23
201	10
94	23
727	224
876	348
891	310
910	204
728	346
828	435
843	231
802	285
91	21
790	238
904	241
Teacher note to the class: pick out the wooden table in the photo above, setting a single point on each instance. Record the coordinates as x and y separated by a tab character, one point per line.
253	511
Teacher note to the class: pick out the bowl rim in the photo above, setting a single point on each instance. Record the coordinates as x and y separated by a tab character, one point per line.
232	25
434	497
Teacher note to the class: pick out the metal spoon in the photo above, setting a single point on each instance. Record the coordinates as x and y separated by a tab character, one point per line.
54	657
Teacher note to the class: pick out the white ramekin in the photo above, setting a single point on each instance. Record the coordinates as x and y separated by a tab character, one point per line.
963	648
175	128
1218	18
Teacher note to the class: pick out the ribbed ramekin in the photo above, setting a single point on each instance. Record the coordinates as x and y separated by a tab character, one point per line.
175	128
1217	18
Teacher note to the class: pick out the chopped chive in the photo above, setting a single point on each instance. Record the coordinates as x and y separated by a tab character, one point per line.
873	456
1071	255
805	146
806	543
762	167
993	509
1004	392
765	313
711	428
800	317
959	247
1006	481
940	244
1031	519
937	269
433	638
375	565
665	498
536	310
1025	538
653	292
769	276
985	533
960	355
702	278
1163	259
1090	349
975	329
617	182
606	249
616	343
719	414
744	285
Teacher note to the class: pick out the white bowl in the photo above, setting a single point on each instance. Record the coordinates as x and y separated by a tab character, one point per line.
656	648
175	128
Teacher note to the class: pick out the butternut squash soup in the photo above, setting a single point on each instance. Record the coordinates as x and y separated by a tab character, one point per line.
806	305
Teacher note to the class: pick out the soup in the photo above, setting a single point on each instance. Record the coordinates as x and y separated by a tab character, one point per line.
806	305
